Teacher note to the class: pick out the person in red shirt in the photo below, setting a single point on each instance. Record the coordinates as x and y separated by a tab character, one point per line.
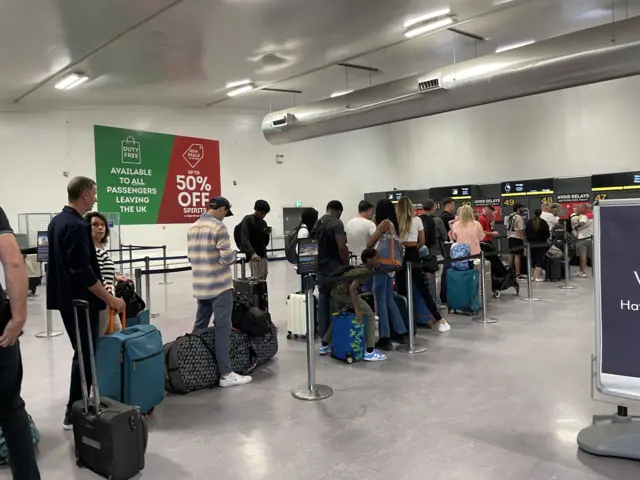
486	218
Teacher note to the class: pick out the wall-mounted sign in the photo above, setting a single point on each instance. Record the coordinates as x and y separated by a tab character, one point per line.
479	204
573	197
153	178
615	181
298	204
395	195
459	192
542	186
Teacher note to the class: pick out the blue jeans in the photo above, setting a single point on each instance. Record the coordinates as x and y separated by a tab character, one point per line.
221	308
388	311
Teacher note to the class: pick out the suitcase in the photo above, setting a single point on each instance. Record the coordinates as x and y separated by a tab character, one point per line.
240	357
34	272
110	437
131	366
347	337
189	365
487	284
142	318
297	315
255	290
462	291
554	269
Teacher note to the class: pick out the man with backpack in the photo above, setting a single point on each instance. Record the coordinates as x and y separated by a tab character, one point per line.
14	419
435	232
252	235
332	254
515	237
308	219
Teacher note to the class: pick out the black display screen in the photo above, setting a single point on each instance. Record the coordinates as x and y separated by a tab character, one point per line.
615	181
540	186
395	195
457	192
486	201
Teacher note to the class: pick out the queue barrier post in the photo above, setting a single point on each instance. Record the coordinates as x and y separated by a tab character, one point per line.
567	267
529	279
481	284
49	332
164	266
412	348
147	287
130	261
138	279
313	391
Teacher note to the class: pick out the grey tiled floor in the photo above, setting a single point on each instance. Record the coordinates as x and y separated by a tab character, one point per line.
498	402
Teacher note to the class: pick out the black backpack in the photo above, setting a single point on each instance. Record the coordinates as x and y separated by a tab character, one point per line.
134	303
430	234
237	235
291	246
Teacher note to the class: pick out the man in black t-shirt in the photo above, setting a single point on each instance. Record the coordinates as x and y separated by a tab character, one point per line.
254	239
14	420
332	253
448	207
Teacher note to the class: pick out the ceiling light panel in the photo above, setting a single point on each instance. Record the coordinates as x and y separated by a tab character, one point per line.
239	83
241	90
71	80
340	94
514	46
428	27
428	16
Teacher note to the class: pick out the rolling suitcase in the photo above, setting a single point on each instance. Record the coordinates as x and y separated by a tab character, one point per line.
462	291
554	269
131	365
297	316
255	290
347	337
110	437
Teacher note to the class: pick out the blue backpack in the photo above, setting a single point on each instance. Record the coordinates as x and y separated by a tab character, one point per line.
459	250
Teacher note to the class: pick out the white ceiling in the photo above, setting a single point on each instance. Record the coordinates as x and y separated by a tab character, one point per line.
183	52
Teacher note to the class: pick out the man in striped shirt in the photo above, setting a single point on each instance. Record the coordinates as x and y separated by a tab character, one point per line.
211	257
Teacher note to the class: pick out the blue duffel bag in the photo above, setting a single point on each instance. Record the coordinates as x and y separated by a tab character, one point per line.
130	366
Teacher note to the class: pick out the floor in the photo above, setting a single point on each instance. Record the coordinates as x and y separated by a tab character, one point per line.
500	402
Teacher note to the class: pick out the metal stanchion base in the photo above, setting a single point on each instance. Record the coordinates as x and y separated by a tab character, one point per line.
320	392
154	315
530	299
411	350
54	333
165	283
485	320
567	287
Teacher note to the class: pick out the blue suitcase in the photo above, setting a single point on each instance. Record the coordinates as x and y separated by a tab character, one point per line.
347	337
130	366
143	318
462	291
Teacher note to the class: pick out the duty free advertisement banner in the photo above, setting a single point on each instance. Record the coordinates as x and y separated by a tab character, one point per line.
152	178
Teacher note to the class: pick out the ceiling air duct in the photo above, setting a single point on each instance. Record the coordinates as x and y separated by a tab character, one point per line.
595	55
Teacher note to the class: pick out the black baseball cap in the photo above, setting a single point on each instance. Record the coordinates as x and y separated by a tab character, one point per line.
219	202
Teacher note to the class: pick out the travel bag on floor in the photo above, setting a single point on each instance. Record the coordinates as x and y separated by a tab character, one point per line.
249	319
110	437
131	365
297	315
240	357
263	348
190	364
347	337
462	291
554	269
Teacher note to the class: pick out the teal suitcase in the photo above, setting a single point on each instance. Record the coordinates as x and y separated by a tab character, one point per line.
462	291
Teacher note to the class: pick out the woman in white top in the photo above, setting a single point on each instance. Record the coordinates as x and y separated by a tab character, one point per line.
308	219
99	235
411	233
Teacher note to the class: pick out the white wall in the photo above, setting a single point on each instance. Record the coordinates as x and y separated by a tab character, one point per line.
580	131
36	148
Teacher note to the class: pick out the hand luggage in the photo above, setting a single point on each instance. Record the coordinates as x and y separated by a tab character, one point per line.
421	313
459	250
190	364
390	249
255	290
240	357
131	365
134	303
142	318
249	319
110	437
263	348
347	337
462	291
34	272
554	269
297	315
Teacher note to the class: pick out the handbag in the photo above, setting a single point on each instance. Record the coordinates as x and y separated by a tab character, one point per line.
390	249
249	319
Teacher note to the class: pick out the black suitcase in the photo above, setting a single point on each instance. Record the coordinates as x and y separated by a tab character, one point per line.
554	269
110	437
255	290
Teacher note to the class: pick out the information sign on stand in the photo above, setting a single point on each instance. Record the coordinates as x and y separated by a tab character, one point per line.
307	256
42	254
617	314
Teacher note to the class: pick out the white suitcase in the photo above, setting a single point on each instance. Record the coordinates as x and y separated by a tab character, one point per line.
296	316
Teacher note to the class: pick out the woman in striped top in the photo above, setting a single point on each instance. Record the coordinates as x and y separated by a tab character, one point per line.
100	234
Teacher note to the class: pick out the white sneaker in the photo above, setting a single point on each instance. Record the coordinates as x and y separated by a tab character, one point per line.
234	380
538	280
443	327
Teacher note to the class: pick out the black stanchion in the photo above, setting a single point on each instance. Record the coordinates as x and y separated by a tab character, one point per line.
412	348
130	261
529	279
567	267
483	317
138	280
147	287
313	391
164	266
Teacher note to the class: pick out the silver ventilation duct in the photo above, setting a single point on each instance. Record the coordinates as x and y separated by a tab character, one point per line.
588	56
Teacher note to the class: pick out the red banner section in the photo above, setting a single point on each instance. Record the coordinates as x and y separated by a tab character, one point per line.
193	178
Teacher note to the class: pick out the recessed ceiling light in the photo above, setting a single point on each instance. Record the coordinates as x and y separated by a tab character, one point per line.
427	27
71	80
239	83
341	93
241	90
428	16
514	45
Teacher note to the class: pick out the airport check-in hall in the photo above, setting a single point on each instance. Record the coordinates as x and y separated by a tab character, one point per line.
365	239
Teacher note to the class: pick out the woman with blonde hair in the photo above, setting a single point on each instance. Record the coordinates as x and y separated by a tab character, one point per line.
411	234
468	230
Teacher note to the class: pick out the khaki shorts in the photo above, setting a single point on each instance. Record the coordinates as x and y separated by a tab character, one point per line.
104	323
583	247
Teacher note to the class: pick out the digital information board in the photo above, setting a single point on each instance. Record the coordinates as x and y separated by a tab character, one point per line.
617	284
542	186
459	192
395	195
479	204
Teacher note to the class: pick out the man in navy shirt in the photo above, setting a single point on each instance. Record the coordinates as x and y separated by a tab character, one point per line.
73	273
14	420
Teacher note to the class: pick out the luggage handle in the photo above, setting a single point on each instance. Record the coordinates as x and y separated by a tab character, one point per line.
123	318
83	304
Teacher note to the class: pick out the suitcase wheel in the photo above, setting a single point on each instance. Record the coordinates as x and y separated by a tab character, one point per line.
349	359
496	294
289	335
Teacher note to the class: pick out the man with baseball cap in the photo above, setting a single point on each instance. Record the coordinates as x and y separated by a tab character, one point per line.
211	257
